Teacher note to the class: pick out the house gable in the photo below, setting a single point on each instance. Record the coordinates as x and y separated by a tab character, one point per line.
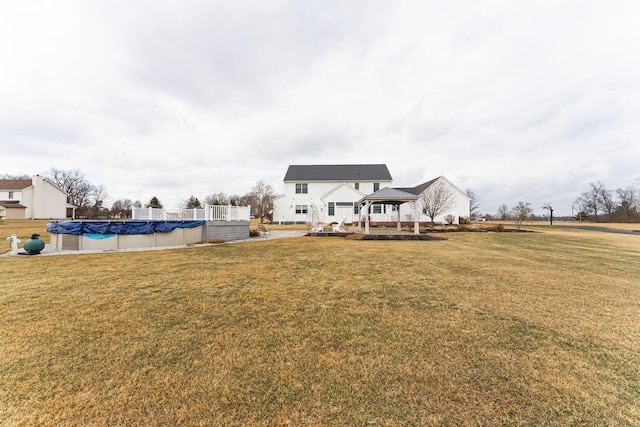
343	191
54	186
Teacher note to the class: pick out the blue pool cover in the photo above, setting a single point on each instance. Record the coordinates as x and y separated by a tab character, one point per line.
117	227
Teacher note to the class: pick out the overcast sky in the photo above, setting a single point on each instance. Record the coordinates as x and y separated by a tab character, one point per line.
516	100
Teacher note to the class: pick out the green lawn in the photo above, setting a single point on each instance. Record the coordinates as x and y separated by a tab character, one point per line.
479	329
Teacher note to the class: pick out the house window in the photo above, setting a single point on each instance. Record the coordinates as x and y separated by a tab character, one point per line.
357	185
301	209
332	209
376	186
377	208
302	188
356	208
10	194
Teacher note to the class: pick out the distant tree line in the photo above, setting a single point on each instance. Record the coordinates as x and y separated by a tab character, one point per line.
91	201
598	204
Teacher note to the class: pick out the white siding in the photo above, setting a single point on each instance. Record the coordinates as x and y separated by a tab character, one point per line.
461	207
319	194
44	200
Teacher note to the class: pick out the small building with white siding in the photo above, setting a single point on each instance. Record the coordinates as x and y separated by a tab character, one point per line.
35	198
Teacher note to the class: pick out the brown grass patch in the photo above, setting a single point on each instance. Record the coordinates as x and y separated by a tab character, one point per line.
480	329
23	228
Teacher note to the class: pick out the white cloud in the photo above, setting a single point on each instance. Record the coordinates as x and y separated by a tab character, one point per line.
518	101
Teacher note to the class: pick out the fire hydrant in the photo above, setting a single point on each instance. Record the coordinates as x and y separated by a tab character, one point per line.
13	241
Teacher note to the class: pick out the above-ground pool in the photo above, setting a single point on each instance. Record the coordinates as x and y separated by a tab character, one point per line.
115	235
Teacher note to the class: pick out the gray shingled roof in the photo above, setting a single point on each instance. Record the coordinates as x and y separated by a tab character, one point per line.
390	195
339	173
418	188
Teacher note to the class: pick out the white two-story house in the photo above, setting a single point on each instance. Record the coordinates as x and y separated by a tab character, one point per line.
35	198
332	193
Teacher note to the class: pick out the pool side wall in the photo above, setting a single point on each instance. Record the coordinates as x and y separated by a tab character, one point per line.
226	230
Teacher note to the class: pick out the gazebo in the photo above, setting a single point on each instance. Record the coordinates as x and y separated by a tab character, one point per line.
388	196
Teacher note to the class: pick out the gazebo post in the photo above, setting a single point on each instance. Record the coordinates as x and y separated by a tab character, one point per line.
366	218
399	226
359	217
416	223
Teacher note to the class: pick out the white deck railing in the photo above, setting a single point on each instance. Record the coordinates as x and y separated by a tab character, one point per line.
209	213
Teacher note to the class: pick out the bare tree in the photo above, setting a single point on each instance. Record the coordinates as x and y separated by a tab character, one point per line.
591	201
503	212
474	205
629	208
262	196
608	204
217	199
100	198
436	199
521	212
121	208
73	182
127	205
14	177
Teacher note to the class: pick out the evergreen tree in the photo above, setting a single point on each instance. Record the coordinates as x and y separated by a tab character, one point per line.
154	203
192	203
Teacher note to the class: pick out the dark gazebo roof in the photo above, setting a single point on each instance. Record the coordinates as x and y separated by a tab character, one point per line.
389	196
